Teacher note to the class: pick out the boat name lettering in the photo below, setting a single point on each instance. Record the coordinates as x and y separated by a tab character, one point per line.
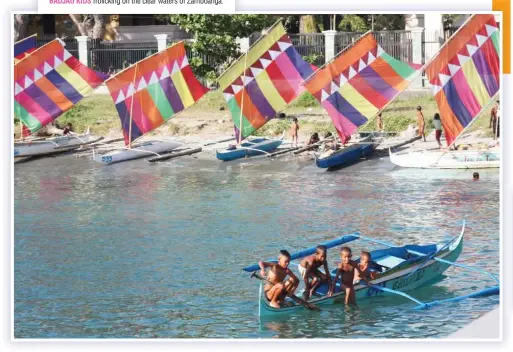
106	159
374	291
418	275
16	152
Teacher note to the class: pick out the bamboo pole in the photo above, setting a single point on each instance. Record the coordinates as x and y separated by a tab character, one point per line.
21	40
242	98
131	110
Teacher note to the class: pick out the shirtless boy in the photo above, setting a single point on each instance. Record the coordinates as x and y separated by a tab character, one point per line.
309	269
278	288
346	271
364	266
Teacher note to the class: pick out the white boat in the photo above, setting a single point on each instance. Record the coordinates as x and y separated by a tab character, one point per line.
454	159
53	145
143	150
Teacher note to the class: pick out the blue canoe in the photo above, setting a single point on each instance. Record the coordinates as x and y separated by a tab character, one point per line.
253	147
398	269
349	155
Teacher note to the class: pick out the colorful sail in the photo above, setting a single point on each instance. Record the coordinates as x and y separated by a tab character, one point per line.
24	47
263	81
357	84
25	132
465	75
154	90
49	82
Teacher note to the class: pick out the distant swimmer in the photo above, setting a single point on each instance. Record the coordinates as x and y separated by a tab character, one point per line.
476	176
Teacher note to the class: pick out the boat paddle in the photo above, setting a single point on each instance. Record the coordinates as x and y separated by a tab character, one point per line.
304	303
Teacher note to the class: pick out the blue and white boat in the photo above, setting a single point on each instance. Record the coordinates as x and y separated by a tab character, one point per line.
348	155
253	147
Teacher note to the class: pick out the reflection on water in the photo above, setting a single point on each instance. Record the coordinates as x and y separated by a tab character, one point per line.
139	250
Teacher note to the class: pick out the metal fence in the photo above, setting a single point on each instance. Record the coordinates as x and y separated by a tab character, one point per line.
112	57
71	43
395	43
310	45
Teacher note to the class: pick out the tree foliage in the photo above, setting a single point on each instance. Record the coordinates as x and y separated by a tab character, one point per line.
215	37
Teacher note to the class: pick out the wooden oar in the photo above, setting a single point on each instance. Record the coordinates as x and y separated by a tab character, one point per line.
294	297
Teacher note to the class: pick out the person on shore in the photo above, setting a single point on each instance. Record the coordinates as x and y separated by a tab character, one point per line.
277	288
379	123
475	176
420	122
364	266
346	271
294	130
494	120
438	129
68	129
314	139
309	269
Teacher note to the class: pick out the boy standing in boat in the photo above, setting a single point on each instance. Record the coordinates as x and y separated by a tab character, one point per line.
309	269
277	287
346	271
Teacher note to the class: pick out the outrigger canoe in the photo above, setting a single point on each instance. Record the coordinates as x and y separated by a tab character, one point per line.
403	268
348	155
142	150
253	147
49	146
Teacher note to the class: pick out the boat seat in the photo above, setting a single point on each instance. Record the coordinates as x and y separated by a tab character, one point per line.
389	261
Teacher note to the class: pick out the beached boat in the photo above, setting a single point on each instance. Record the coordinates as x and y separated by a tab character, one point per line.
348	155
403	268
252	147
454	159
49	146
142	150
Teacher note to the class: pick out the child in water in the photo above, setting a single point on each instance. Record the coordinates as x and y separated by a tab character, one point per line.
346	272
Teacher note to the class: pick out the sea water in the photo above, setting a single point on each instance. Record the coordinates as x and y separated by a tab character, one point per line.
156	251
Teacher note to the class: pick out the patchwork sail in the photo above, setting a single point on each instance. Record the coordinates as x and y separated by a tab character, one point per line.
465	75
263	81
24	47
359	83
150	92
49	82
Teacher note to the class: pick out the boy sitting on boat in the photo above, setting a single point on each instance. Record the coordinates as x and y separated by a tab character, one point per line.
365	268
346	270
278	287
309	269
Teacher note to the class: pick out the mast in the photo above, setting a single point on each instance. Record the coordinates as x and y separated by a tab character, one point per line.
132	109
242	98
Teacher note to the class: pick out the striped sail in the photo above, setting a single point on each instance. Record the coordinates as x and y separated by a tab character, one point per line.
49	82
357	84
464	76
24	47
154	90
263	81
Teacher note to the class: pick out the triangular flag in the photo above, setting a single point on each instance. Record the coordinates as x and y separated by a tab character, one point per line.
142	84
153	78
324	95
47	68
56	62
471	49
352	72
17	88
480	39
284	46
274	54
28	82
37	75
361	65
121	97
165	73
444	79
453	69
227	96
490	29
66	55
185	62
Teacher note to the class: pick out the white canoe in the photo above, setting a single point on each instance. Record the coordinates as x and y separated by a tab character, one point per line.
53	145
143	150
454	159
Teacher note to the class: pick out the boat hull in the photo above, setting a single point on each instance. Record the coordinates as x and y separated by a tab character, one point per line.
143	150
255	147
52	145
347	156
396	279
457	159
